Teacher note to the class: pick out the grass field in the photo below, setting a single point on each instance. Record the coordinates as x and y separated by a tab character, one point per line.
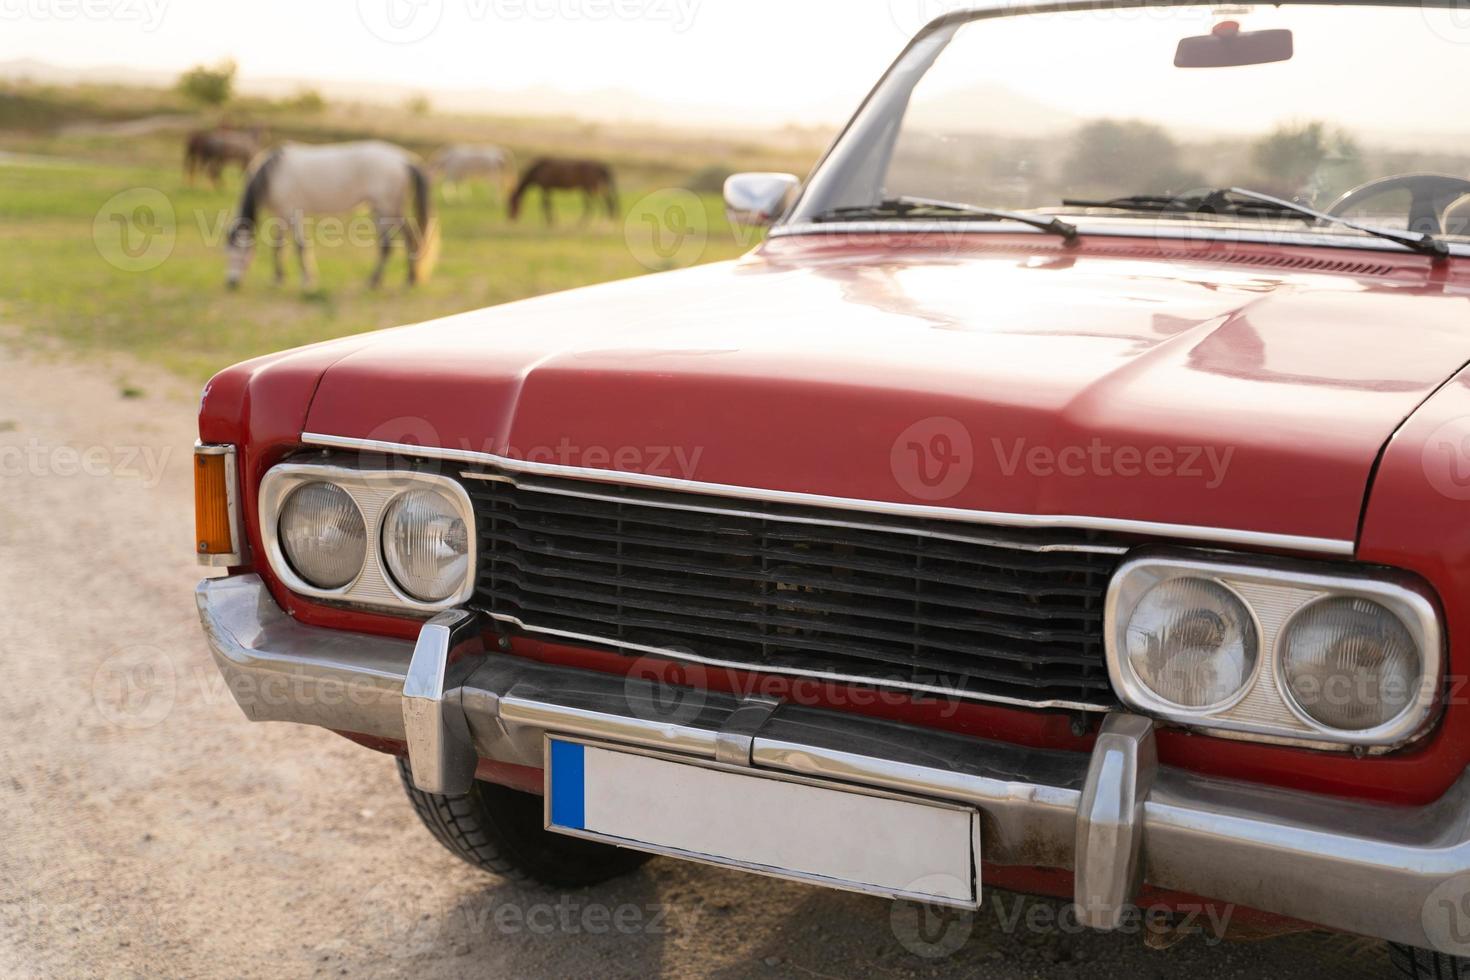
80	181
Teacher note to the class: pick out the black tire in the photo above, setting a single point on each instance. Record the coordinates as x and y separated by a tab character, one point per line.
500	830
1424	964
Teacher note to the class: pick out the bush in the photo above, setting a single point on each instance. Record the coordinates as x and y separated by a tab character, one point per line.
1310	159
1126	157
308	101
209	86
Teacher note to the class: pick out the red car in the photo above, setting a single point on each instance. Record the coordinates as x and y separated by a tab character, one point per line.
1071	495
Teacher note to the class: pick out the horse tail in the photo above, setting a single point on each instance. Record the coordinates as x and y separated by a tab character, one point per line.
425	231
507	167
529	179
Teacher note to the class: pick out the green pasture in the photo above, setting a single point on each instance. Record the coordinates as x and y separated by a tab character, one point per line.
103	246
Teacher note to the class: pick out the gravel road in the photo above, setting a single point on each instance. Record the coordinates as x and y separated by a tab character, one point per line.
146	829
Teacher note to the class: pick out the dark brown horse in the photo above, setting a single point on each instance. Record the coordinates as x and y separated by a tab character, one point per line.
211	150
592	178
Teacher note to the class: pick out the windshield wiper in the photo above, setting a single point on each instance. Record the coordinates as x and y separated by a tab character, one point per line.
1262	205
1203	202
1418	241
919	208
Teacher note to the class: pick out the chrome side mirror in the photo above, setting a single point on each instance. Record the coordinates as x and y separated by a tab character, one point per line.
759	199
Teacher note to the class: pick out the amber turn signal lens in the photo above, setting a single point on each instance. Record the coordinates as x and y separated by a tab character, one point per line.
213	529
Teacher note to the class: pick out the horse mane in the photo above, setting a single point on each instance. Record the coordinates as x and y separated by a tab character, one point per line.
255	188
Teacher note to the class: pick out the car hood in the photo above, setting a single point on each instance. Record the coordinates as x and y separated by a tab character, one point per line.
989	377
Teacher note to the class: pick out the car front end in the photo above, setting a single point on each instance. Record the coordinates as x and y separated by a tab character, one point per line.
923	550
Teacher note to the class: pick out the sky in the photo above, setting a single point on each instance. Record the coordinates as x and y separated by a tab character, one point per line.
737	61
813	58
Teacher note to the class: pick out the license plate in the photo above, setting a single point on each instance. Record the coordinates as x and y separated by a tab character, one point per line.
786	827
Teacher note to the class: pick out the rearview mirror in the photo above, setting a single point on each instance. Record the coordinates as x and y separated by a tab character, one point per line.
758	199
1230	47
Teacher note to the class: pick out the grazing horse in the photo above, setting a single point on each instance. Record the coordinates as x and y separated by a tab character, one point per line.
297	181
592	178
462	161
211	150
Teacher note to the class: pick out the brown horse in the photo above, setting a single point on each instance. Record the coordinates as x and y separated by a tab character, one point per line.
592	178
211	150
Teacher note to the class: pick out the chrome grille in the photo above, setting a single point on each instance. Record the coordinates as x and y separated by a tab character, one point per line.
985	613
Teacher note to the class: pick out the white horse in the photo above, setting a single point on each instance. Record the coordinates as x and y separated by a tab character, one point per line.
461	161
297	181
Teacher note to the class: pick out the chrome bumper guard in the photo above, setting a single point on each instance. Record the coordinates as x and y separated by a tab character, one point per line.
1117	819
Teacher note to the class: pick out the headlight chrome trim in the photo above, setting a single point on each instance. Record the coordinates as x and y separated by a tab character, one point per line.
1275	592
373	492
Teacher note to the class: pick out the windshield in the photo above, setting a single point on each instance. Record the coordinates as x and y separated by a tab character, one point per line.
1155	113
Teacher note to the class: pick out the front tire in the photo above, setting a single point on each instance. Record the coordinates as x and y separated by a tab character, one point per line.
500	830
1424	964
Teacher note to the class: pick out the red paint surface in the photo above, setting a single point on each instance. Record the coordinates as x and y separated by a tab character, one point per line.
800	367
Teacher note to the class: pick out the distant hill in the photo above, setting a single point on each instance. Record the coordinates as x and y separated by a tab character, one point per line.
989	108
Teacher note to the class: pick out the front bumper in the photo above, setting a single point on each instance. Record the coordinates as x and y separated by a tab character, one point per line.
1115	819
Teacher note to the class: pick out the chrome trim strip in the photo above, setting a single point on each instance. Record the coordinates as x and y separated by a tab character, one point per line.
984	542
232	505
672	654
1291	587
1160	231
1212	535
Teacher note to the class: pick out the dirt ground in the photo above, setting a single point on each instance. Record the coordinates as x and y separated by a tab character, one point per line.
146	829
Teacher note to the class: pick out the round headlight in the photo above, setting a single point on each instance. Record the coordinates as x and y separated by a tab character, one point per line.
1350	663
323	536
426	545
1192	643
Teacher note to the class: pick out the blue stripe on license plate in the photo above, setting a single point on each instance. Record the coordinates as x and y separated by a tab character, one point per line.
568	785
